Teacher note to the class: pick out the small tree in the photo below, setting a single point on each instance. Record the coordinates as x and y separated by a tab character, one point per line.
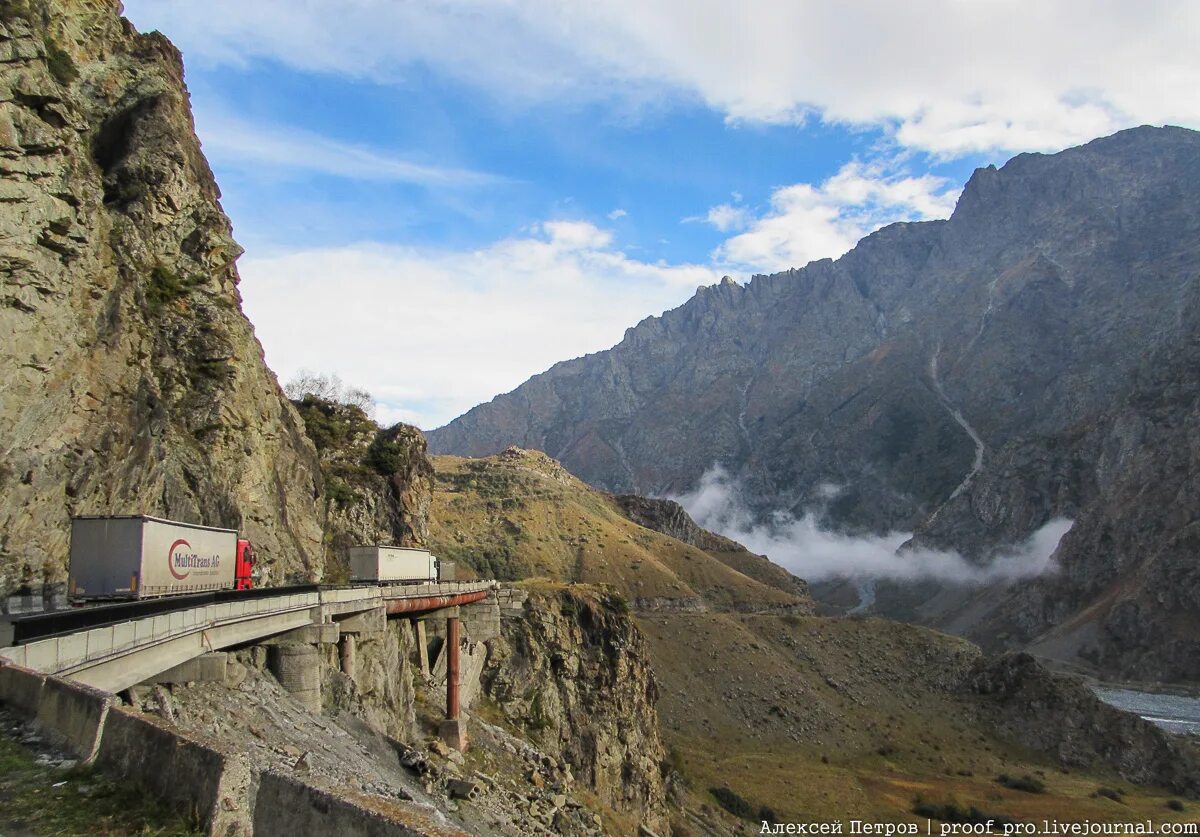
309	384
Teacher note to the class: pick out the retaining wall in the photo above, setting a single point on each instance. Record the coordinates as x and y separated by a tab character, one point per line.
288	806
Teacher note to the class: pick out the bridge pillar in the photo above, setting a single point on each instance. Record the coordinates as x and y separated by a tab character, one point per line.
297	667
349	653
422	647
453	729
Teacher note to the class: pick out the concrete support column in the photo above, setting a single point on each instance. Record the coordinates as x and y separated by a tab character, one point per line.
298	669
422	647
349	653
454	728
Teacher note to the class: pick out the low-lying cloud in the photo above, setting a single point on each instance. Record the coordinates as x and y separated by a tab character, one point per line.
803	547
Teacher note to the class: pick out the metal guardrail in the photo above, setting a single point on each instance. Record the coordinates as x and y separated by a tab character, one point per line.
62	622
26	629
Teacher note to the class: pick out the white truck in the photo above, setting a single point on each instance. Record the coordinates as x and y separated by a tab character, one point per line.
140	557
392	565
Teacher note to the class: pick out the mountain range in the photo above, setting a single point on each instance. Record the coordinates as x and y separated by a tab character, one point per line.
969	381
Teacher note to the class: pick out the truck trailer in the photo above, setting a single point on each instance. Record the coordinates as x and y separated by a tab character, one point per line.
392	565
140	557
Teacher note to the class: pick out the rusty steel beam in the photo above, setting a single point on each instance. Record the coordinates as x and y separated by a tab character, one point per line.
452	668
424	604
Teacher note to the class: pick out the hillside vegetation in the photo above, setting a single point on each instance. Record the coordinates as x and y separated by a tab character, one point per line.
768	710
520	514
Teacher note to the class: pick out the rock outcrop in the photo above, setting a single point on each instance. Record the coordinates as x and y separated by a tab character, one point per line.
574	673
378	482
1060	715
670	518
133	383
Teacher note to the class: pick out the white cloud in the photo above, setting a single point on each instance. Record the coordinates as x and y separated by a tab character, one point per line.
806	222
617	214
237	142
946	76
817	554
430	333
727	217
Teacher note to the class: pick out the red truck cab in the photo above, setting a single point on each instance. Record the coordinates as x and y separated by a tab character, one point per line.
244	566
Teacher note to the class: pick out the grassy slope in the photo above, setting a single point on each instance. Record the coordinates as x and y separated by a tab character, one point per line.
829	719
816	718
521	516
39	799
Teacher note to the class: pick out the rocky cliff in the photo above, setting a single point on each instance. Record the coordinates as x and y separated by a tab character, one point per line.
968	379
378	482
133	383
1126	594
575	674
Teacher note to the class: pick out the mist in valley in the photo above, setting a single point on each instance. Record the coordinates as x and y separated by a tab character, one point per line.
807	549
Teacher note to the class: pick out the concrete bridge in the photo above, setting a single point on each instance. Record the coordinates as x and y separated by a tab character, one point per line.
185	644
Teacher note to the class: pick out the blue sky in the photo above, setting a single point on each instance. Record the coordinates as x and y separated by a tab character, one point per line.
440	199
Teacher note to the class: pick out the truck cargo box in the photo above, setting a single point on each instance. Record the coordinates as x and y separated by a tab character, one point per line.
392	564
139	557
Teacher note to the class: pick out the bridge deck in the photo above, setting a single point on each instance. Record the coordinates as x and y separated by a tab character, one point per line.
115	655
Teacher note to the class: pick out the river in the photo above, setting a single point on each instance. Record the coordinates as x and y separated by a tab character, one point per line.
1174	713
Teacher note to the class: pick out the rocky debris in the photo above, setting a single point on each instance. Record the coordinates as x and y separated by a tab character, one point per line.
576	679
134	383
503	785
1060	715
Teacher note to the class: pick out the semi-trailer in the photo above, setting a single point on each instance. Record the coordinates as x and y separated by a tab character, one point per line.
141	557
392	565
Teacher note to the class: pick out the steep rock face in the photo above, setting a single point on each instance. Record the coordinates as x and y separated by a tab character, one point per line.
968	380
575	673
381	690
1125	595
378	482
132	381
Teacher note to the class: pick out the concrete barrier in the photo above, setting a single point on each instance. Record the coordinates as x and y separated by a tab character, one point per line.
186	774
285	805
73	714
21	688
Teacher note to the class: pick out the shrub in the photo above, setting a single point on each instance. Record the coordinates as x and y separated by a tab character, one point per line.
164	287
733	803
1109	793
952	812
338	491
385	455
1174	804
1025	783
618	603
308	384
